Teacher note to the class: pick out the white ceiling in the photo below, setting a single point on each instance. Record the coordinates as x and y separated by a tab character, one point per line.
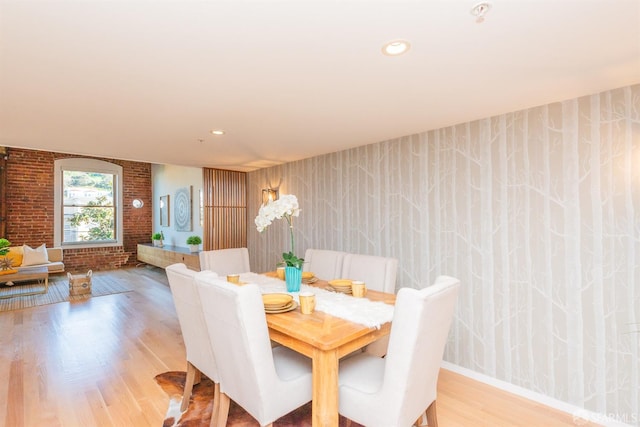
147	80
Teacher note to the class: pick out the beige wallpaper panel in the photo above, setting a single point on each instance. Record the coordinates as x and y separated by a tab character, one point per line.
537	212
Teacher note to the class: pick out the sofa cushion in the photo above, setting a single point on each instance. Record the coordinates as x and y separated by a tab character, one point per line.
36	256
15	255
52	267
54	254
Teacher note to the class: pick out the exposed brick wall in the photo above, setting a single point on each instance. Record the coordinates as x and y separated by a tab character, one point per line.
30	209
110	258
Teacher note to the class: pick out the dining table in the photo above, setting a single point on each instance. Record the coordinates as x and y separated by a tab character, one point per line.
325	339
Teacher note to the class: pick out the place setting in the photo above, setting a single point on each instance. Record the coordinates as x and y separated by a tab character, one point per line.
278	303
340	285
355	288
308	278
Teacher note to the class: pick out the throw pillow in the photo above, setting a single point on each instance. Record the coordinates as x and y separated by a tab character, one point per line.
15	255
36	256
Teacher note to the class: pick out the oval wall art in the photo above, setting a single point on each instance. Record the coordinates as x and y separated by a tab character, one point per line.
182	209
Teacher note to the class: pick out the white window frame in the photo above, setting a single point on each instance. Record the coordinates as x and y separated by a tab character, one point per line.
86	165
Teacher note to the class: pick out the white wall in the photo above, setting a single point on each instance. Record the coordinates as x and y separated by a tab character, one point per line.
166	179
536	211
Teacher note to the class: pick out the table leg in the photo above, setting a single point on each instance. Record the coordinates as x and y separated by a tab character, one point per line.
46	285
325	388
23	294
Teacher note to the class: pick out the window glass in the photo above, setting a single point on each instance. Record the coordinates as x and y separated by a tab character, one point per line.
87	198
89	209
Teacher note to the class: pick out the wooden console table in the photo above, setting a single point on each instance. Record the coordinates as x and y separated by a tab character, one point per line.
167	255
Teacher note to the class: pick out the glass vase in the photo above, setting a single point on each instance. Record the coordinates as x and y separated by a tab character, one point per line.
293	278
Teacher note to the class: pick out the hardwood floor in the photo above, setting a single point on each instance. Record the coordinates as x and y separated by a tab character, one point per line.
93	364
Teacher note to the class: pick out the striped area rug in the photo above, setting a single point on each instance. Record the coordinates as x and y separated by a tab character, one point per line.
101	284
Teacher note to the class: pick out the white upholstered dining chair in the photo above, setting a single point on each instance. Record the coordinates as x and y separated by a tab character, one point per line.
268	383
225	261
398	389
194	331
378	273
325	264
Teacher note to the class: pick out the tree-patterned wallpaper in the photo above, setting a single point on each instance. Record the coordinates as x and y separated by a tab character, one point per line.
537	212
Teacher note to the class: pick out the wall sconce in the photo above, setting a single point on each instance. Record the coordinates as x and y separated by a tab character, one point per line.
269	194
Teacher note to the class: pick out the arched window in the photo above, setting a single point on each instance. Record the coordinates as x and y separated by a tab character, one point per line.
88	201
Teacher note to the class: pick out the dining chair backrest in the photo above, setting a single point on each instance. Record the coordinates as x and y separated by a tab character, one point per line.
225	261
378	273
324	264
237	324
398	389
419	331
190	316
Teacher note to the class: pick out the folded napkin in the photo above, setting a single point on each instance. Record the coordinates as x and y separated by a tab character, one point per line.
372	314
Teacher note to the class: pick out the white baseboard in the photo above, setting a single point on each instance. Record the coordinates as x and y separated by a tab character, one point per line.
580	416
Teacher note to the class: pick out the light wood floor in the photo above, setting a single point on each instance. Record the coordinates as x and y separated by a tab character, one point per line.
93	363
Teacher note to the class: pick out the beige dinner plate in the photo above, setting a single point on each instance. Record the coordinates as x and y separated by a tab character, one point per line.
341	285
341	290
276	301
310	280
291	306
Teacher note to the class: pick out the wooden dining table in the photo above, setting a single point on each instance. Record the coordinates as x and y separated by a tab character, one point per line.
325	339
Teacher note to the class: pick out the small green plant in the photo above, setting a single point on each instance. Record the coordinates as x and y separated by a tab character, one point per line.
194	240
157	236
4	246
292	261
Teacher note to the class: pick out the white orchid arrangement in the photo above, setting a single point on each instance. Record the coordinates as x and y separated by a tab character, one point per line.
285	207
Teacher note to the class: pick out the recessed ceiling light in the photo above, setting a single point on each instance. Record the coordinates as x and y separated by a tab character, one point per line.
217	132
396	47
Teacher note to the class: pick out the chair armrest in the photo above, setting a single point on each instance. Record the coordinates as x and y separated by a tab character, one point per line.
54	254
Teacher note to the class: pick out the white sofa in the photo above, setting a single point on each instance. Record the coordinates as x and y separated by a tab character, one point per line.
53	259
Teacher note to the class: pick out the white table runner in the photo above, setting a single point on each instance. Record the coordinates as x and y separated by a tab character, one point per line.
358	310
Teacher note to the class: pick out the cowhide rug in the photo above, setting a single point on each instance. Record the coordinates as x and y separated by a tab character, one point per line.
199	411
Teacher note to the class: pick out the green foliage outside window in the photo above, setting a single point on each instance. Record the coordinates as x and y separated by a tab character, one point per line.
98	215
88	179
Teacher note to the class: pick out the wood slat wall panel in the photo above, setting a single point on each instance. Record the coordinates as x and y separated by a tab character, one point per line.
230	188
225	209
231	226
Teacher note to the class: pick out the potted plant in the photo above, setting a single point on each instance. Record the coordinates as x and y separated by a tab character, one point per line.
5	262
157	239
194	243
4	246
285	207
